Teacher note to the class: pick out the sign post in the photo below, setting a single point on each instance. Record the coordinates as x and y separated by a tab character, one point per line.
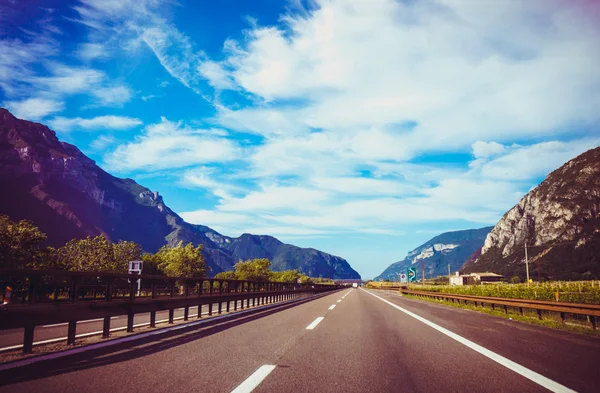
135	267
411	273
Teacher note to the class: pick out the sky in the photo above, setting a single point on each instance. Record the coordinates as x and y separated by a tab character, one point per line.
360	128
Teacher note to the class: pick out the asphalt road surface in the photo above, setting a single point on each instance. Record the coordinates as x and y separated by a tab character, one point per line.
348	341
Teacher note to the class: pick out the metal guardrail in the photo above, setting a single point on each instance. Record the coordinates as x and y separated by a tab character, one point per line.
591	311
51	297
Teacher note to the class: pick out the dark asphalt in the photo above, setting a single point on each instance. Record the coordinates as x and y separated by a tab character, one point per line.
363	344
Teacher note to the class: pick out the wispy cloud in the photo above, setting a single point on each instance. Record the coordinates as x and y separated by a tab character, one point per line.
108	122
34	108
171	145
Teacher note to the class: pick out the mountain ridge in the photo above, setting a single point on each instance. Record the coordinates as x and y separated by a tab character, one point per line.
68	196
560	222
453	247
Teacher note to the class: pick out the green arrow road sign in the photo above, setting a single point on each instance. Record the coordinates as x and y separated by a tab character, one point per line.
411	273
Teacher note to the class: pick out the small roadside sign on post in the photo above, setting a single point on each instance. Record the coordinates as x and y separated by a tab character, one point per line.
402	278
135	267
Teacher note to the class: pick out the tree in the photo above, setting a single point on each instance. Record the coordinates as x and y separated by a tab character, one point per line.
515	279
20	243
253	270
182	261
85	255
228	275
285	276
125	251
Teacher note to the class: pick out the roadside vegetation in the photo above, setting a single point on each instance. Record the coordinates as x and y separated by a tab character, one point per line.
573	323
22	247
587	292
260	270
567	291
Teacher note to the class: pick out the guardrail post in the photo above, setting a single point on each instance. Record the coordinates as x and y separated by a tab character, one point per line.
211	282
130	322
210	305
31	291
171	315
539	312
108	294
562	317
186	309
106	327
73	290
132	288
593	322
505	309
28	339
71	332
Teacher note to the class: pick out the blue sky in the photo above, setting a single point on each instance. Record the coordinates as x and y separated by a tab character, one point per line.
359	128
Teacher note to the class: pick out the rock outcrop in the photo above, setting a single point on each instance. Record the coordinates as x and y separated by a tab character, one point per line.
559	221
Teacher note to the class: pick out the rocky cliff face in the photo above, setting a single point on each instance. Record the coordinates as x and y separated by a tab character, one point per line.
68	196
560	223
452	248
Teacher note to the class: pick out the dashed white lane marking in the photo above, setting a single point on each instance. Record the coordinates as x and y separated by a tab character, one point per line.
339	300
332	307
314	323
523	371
255	379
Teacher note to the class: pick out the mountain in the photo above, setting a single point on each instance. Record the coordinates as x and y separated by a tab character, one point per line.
68	196
559	221
452	248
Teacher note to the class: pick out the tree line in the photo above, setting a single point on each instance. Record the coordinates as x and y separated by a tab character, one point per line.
260	270
22	246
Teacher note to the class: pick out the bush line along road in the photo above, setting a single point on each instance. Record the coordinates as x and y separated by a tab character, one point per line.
352	340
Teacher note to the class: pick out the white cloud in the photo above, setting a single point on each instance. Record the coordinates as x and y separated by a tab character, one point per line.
108	122
455	68
171	145
34	108
102	142
112	96
69	80
486	149
535	161
92	51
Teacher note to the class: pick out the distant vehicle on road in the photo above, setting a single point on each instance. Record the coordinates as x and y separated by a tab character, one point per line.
354	285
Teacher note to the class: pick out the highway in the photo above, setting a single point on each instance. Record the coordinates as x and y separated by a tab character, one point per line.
347	341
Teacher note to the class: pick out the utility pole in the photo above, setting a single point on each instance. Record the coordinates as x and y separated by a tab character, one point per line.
526	263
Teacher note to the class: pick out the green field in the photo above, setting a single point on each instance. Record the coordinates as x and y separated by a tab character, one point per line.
568	291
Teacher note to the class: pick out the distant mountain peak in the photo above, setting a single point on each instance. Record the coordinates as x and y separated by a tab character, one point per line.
452	248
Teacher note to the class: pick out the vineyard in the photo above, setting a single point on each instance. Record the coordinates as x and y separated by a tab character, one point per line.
568	291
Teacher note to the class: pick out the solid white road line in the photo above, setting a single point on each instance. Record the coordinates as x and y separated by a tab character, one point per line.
314	323
82	335
332	307
255	379
523	371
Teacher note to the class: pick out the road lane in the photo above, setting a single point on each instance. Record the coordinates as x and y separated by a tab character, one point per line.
366	345
361	344
212	359
568	358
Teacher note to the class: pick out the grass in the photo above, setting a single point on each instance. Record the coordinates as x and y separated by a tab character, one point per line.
587	292
552	320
